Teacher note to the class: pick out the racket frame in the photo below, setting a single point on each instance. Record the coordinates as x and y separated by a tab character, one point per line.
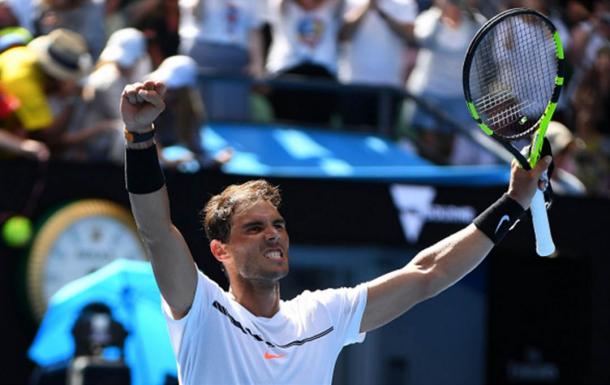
544	240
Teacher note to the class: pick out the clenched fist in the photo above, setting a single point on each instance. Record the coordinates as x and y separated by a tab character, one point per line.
141	103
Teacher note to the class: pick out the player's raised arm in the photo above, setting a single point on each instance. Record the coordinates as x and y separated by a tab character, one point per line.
173	265
443	264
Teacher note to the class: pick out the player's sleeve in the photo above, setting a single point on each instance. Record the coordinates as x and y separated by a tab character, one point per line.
196	315
345	307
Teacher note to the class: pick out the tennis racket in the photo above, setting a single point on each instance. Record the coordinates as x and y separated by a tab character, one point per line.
512	78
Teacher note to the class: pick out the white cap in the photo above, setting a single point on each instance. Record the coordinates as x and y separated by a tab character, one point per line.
125	47
177	71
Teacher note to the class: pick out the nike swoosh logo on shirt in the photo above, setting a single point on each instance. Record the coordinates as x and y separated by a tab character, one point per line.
269	356
505	218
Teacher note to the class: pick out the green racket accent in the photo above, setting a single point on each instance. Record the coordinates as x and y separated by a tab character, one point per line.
558	45
473	110
476	117
486	129
539	138
549	111
559	81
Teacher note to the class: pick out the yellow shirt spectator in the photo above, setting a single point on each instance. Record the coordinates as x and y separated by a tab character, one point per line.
22	76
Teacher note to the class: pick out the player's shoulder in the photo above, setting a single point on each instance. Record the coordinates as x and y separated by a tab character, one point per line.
308	305
207	286
320	297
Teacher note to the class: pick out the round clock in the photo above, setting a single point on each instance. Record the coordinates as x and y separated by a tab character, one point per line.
76	240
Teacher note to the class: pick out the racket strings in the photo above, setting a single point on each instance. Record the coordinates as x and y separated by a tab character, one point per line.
539	64
511	115
513	74
489	103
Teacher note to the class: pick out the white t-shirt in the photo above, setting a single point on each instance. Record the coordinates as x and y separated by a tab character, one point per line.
221	342
300	36
375	54
219	21
438	68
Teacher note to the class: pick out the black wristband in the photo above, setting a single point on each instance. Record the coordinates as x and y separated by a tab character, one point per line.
143	173
499	218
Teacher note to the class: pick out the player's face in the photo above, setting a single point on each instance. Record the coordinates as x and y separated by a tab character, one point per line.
258	244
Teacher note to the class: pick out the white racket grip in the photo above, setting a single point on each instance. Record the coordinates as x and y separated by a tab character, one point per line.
544	240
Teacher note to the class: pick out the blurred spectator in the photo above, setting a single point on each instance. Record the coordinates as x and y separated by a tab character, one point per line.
161	28
8	18
551	9
224	38
12	33
304	43
443	33
587	38
85	17
44	77
565	148
575	12
97	125
179	126
157	19
127	13
593	169
591	103
15	13
95	328
94	332
13	37
374	29
126	50
589	35
13	142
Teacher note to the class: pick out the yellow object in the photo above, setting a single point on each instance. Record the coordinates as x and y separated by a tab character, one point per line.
17	231
20	73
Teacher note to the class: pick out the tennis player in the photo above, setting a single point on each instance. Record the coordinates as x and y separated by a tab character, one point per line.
248	335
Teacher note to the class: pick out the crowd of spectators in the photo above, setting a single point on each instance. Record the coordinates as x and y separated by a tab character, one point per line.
63	64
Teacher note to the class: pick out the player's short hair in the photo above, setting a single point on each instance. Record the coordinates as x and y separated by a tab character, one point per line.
220	209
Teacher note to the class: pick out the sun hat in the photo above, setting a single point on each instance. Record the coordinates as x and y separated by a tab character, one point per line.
177	71
62	54
560	137
125	47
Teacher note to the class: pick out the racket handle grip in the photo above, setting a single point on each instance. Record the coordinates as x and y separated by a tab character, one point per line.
544	240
